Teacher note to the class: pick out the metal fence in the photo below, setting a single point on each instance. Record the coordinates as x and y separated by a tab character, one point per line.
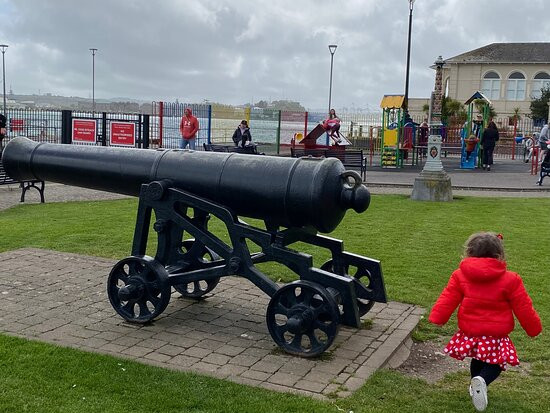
273	130
37	124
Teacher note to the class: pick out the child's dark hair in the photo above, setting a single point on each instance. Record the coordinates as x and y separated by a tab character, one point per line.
484	244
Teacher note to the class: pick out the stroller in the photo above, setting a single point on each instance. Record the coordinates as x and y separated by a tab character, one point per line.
544	167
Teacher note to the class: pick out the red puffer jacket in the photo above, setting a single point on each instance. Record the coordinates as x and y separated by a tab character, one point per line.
489	296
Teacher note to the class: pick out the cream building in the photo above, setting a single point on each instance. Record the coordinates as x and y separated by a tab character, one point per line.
509	74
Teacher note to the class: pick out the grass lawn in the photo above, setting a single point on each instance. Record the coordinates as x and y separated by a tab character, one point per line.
419	245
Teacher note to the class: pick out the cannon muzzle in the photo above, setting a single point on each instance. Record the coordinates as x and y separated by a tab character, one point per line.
288	192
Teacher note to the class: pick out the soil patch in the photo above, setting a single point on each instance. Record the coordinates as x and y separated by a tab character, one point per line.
428	362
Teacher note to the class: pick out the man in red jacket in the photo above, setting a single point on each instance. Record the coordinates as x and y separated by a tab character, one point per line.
189	127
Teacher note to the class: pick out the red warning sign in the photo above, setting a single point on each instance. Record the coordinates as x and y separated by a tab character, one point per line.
84	130
123	133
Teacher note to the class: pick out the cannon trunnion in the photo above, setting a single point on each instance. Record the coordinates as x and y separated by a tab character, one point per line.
295	198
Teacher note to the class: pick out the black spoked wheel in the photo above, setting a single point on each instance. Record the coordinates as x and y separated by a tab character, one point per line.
303	318
360	274
198	254
138	289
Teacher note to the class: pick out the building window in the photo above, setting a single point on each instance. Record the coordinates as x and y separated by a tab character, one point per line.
516	86
540	81
490	86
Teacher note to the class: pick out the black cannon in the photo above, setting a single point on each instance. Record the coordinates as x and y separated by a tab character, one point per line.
295	198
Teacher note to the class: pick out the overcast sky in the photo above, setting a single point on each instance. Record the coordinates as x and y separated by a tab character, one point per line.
242	50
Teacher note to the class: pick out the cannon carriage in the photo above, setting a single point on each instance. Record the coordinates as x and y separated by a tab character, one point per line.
295	198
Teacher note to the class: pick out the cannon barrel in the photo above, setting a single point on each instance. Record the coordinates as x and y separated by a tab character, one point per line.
291	192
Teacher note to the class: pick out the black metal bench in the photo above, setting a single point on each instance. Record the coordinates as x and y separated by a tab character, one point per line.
249	150
315	152
451	147
352	158
25	185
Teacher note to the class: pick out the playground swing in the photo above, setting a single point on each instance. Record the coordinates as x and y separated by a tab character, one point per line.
470	154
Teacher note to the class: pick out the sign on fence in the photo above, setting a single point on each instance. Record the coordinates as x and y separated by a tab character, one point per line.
84	130
123	133
16	125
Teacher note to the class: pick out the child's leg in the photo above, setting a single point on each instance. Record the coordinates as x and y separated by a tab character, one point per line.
489	372
475	367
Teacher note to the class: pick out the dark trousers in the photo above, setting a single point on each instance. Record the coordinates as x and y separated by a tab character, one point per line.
489	372
488	155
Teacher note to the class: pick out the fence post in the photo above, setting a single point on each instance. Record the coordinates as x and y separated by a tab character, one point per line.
279	134
66	121
161	121
145	129
209	135
104	129
305	124
514	138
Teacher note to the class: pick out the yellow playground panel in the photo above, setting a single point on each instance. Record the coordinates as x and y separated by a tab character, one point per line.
392	121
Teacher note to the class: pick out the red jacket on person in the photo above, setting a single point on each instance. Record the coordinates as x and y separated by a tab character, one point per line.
189	126
488	296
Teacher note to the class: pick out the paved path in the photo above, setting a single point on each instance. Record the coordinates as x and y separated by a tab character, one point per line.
63	301
506	176
10	195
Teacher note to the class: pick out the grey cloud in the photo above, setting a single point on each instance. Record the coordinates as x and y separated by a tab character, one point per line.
233	51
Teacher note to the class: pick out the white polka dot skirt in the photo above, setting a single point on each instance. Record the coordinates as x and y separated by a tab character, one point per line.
493	350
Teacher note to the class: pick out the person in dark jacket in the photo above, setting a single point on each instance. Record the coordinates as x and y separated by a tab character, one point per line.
242	134
488	141
3	121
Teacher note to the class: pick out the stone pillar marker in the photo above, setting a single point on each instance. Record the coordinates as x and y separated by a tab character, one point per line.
433	183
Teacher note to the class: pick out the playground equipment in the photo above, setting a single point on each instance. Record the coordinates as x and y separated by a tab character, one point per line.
397	140
310	140
473	130
184	188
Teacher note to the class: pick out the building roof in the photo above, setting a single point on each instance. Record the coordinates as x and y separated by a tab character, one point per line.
506	53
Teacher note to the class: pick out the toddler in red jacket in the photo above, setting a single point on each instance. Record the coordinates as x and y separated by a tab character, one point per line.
487	296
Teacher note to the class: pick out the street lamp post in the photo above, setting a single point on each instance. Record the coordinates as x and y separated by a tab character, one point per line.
406	99
332	50
93	50
4	47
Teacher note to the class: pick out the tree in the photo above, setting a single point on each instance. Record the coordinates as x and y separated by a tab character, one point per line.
288	105
450	108
516	117
539	106
261	104
480	104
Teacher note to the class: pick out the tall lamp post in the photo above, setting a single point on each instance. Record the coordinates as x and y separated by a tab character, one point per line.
93	50
406	99
4	47
332	50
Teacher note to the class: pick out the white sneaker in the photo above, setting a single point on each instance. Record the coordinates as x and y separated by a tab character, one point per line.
478	393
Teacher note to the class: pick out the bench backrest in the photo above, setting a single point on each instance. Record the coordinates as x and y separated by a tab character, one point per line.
210	147
315	152
4	178
250	150
352	157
